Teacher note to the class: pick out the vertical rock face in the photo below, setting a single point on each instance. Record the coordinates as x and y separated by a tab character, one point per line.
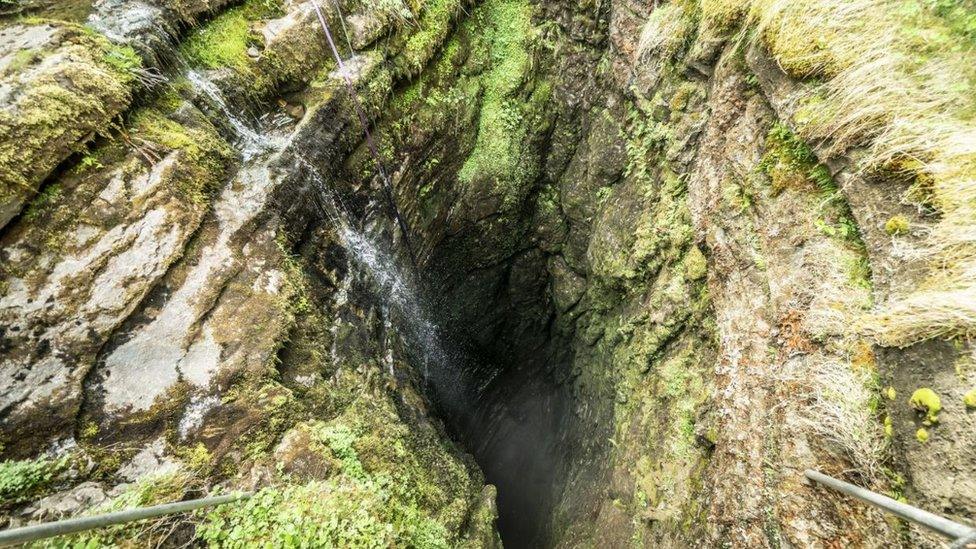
658	246
180	311
706	272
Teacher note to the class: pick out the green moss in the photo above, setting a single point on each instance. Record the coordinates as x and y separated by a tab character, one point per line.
61	109
23	59
435	26
43	199
897	225
23	480
891	393
791	164
207	154
925	400
722	15
969	399
500	133
679	101
922	435
221	43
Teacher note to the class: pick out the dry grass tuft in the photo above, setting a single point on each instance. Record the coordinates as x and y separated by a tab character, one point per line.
837	413
895	81
665	31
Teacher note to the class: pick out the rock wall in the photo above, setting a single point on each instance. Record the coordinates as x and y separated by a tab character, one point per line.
669	248
179	312
653	271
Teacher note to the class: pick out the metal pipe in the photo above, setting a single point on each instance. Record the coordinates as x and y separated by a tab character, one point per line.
942	525
36	532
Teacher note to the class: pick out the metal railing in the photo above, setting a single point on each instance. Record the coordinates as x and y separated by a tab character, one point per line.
963	536
37	532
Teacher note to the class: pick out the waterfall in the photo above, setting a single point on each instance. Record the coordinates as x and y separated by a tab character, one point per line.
251	143
401	304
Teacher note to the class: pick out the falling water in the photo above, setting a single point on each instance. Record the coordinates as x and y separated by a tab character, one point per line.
400	302
251	143
506	420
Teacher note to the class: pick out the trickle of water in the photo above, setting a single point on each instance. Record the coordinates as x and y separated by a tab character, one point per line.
252	143
444	372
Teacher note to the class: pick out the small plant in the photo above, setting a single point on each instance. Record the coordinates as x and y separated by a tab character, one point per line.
922	435
969	399
925	400
897	225
21	480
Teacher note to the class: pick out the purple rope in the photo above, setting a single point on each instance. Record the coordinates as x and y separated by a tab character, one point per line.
374	151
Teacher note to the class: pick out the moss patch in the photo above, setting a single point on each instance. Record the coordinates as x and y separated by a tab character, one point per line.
56	106
897	225
502	124
925	400
969	399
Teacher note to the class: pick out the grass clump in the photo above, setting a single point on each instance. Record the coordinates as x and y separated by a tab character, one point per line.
844	410
926	401
895	78
666	32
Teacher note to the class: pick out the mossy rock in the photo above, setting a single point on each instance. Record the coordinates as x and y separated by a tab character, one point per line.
63	85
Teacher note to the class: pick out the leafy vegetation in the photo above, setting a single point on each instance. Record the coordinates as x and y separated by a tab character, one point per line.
22	480
366	503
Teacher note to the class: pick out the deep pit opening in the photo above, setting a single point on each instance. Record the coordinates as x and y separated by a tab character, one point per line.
512	409
503	398
513	420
